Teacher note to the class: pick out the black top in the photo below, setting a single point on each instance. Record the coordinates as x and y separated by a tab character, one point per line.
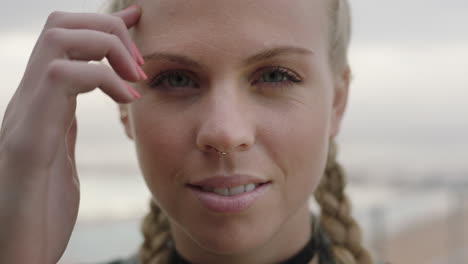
318	244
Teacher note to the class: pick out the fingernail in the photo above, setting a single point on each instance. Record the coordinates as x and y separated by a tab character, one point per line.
140	59
141	72
132	91
130	7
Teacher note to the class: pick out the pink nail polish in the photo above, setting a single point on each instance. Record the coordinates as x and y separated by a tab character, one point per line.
130	7
140	59
133	91
141	72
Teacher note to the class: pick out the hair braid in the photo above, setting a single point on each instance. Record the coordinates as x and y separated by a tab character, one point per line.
156	233
336	219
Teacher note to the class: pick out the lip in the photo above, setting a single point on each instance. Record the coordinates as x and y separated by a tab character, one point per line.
229	181
229	204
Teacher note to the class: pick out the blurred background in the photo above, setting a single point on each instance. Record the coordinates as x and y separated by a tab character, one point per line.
404	142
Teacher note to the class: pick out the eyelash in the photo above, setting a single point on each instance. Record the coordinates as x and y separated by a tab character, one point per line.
285	73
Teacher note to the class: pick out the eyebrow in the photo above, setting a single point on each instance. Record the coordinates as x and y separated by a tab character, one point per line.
261	56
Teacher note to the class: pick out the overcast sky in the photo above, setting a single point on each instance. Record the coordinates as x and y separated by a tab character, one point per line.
410	61
397	21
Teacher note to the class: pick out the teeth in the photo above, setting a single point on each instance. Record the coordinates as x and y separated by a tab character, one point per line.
249	187
237	190
231	191
223	191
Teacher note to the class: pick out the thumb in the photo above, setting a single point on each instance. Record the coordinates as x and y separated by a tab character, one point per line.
130	15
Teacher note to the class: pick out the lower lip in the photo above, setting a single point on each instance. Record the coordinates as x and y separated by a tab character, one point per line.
229	204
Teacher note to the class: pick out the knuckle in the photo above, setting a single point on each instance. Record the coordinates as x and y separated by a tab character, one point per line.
15	146
113	39
105	72
118	25
54	18
22	149
118	22
52	35
110	42
55	70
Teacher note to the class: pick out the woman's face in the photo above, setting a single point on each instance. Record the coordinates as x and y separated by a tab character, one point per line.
250	78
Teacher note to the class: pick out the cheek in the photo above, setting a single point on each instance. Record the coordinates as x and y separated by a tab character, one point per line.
160	143
299	145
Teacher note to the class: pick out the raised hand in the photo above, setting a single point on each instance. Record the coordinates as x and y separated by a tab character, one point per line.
39	185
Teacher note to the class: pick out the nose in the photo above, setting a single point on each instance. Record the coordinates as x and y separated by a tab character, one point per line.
225	125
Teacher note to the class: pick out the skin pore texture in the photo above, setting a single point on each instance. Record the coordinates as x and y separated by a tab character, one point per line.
274	113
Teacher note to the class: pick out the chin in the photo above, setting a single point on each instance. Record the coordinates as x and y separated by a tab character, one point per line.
226	234
223	240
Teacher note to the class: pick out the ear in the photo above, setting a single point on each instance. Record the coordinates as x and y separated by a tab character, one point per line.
124	119
340	100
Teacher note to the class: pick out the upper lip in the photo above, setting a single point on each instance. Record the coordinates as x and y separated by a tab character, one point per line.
228	181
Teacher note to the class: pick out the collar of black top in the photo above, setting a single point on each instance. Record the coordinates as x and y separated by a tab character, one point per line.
303	256
318	244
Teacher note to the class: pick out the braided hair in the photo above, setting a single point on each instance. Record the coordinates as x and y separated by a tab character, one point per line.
335	217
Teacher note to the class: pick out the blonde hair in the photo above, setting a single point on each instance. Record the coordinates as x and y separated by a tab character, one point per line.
336	219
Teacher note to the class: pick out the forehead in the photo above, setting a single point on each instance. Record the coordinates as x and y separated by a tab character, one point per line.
230	27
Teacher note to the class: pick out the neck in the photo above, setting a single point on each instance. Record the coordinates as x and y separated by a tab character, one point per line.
292	235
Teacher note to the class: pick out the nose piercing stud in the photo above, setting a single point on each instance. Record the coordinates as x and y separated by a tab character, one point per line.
221	153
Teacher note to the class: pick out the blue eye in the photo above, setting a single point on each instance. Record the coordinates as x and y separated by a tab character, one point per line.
274	76
174	79
277	76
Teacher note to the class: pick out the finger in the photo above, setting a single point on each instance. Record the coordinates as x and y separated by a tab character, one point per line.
130	15
112	24
54	102
71	78
75	44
